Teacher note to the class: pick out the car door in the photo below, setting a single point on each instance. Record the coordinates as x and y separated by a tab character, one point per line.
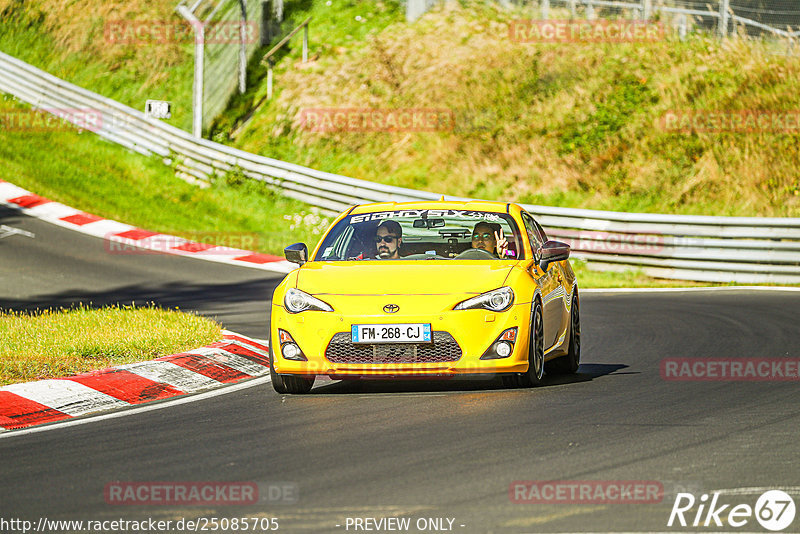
552	291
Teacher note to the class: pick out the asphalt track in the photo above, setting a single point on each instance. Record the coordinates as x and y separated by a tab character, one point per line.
417	449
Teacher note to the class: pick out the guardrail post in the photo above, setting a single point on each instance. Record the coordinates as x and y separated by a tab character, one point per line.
545	9
647	10
590	10
682	29
723	18
573	9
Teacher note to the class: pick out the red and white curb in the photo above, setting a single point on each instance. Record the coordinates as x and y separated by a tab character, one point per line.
124	237
233	359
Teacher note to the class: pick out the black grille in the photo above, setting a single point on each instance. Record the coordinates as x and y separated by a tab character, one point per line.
443	349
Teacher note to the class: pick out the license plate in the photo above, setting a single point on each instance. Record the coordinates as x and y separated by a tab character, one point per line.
391	333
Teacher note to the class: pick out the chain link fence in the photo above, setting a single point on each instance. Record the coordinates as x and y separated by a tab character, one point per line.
751	18
226	33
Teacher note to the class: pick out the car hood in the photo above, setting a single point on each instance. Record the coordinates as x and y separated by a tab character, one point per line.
433	277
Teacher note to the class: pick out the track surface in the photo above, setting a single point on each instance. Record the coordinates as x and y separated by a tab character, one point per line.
419	449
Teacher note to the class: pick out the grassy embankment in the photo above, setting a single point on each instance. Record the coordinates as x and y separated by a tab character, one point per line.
52	344
568	124
565	124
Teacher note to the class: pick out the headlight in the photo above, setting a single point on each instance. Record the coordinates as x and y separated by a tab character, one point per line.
497	300
297	301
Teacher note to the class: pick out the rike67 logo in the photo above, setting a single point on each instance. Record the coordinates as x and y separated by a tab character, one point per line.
774	510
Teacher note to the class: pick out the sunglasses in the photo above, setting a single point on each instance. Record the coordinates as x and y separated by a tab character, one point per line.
487	235
385	239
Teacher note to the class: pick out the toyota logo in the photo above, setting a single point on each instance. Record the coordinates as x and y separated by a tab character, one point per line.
391	308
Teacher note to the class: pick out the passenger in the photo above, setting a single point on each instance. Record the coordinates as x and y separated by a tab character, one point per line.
489	237
388	238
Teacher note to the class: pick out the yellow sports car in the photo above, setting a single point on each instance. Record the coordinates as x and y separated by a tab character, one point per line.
426	289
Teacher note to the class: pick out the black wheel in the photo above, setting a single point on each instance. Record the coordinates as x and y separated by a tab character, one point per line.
287	383
569	363
533	376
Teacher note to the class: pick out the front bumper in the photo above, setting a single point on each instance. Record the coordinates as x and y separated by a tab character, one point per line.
472	330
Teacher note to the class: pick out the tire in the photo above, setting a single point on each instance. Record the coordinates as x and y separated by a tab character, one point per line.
569	363
287	383
535	373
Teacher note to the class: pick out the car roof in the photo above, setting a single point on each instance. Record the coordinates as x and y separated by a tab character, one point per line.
472	205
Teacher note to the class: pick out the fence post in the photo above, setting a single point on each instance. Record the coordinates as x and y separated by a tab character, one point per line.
415	9
243	47
573	9
305	44
590	10
269	79
197	87
647	10
723	18
682	26
545	9
270	23
199	61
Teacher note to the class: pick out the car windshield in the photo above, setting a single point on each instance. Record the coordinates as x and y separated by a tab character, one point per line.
423	234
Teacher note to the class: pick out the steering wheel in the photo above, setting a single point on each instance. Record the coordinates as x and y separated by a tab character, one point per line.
475	254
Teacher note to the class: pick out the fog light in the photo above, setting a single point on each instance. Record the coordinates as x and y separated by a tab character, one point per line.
503	349
291	351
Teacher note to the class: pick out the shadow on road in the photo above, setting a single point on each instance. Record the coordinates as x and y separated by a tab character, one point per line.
586	373
193	296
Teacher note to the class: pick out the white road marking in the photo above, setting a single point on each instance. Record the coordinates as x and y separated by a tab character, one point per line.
685	289
172	374
234	361
8	231
792	490
103	228
247	346
72	398
146	408
50	210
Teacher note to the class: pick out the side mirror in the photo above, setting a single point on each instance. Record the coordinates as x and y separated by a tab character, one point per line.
553	251
297	253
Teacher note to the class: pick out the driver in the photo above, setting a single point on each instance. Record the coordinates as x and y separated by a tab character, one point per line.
489	237
388	238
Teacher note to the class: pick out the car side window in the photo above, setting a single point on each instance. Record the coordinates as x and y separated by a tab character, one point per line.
533	235
540	231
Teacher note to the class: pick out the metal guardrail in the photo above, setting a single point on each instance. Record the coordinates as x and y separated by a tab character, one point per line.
705	248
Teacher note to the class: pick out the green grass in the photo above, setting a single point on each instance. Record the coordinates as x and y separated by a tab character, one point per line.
67	40
565	124
105	179
334	31
59	343
99	177
629	278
